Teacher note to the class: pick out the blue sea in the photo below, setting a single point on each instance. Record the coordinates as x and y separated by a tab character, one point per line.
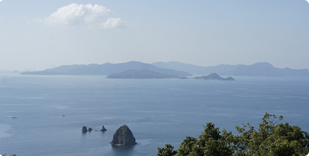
157	111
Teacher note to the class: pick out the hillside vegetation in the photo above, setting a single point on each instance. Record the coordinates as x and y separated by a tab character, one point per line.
270	139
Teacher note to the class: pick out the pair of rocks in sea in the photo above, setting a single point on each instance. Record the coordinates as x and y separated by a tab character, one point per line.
122	137
84	129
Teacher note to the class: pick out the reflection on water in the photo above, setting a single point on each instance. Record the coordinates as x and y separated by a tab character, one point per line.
123	150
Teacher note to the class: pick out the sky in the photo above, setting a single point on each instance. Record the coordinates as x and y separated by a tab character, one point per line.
36	34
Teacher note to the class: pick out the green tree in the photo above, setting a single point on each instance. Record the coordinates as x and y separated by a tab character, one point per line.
166	151
273	139
212	142
270	139
187	146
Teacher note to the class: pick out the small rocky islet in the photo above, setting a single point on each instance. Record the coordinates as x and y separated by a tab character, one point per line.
122	136
84	129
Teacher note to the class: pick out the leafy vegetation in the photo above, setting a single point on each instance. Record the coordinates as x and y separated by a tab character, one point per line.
270	139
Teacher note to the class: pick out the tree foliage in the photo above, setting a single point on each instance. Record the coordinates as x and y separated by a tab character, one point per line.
270	139
166	151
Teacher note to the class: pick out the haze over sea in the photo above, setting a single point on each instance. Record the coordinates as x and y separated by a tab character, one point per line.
157	111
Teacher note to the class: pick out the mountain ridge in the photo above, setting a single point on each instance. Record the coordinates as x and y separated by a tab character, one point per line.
173	68
256	69
105	69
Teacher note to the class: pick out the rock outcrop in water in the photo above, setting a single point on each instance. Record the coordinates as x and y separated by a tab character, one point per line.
103	129
84	129
123	136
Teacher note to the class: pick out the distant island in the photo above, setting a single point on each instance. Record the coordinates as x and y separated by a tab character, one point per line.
146	74
140	74
169	69
107	69
214	76
257	69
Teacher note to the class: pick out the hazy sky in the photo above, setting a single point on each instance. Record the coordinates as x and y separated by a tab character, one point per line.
36	34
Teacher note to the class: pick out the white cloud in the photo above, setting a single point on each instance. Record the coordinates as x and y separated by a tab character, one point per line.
113	22
0	0
89	16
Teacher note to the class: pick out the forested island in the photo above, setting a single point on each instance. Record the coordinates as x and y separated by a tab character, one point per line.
108	69
146	74
140	74
214	76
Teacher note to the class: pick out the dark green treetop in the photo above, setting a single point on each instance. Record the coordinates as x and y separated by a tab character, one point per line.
270	139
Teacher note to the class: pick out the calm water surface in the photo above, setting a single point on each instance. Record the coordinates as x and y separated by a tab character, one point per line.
157	111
